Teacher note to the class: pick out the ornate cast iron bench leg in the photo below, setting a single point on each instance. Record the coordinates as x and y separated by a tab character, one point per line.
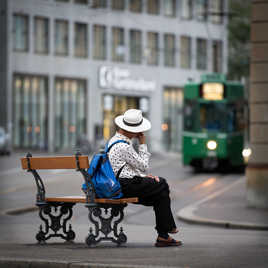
106	218
55	217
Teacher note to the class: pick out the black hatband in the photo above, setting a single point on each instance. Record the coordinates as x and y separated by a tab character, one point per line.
132	125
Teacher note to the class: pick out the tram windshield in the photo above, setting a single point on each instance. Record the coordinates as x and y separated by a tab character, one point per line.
213	116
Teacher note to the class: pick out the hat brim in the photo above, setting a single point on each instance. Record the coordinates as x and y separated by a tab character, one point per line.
144	126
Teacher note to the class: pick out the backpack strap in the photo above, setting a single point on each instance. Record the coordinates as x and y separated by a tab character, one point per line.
119	171
108	148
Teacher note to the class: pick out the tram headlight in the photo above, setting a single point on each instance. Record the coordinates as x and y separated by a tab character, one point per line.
246	154
211	145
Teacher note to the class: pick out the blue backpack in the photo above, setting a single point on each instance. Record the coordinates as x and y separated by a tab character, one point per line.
103	178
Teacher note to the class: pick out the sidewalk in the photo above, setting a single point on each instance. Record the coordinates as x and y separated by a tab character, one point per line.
226	208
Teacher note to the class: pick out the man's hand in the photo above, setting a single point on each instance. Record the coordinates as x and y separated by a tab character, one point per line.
154	177
141	138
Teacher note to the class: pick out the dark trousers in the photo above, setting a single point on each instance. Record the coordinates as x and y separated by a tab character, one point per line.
152	193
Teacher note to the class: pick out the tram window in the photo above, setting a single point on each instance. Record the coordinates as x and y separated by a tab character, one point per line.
212	116
189	115
235	117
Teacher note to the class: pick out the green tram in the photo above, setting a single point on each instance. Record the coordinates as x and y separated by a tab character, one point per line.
213	134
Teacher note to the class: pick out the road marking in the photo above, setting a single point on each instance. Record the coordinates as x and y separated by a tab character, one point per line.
204	184
187	213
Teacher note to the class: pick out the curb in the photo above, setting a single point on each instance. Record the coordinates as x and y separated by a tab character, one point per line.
187	214
39	263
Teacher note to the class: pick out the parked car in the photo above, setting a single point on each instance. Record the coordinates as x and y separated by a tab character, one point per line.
4	142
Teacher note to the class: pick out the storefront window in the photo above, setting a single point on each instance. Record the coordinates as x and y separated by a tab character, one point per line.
70	112
172	119
30	112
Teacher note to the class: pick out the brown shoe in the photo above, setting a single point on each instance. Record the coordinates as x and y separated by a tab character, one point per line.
170	242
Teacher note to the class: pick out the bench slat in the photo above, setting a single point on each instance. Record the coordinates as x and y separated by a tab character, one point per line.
58	162
82	199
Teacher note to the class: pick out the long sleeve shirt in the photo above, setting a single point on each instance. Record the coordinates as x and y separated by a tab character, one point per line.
123	154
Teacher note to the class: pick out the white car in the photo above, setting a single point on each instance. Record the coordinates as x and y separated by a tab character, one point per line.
4	142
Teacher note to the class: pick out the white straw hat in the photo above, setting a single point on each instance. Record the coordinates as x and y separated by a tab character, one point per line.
133	121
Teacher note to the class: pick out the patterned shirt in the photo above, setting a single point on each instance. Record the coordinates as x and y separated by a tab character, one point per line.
124	154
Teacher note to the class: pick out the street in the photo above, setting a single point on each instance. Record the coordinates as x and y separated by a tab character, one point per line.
203	246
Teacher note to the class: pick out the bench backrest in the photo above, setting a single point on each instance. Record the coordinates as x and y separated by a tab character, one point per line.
58	162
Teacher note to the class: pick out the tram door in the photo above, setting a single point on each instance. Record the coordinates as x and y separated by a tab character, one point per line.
116	105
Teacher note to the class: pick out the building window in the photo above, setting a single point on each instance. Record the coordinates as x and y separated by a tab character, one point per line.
30	111
135	46
169	52
135	6
201	54
153	7
70	112
187	9
41	35
99	45
172	118
118	4
217	56
170	8
216	7
82	2
185	52
118	48
61	38
80	40
152	46
98	4
201	7
20	33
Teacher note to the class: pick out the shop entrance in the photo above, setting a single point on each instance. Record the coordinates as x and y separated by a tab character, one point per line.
172	118
115	105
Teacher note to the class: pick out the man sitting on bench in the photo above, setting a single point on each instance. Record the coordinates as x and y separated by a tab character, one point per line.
151	190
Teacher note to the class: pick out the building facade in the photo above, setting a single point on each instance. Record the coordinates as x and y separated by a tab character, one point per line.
70	66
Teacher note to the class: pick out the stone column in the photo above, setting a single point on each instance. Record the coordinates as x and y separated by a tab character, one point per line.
257	170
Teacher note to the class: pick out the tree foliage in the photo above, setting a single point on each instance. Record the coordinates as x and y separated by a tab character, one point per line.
239	39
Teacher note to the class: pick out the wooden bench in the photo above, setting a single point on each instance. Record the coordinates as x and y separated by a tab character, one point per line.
55	211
